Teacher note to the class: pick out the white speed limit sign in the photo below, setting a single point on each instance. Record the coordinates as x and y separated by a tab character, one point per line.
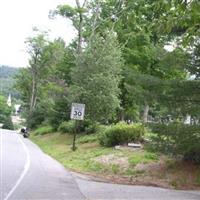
77	111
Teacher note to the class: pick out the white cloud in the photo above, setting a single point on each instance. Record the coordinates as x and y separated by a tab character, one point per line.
17	18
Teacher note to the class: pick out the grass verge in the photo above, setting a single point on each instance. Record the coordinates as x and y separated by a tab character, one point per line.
119	166
90	156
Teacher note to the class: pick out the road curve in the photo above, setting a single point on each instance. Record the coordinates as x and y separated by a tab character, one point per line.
29	174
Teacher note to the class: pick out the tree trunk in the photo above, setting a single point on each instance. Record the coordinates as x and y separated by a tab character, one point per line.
33	97
80	27
79	46
33	92
97	15
121	115
145	113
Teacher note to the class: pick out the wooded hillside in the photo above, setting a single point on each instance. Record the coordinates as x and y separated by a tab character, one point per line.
7	75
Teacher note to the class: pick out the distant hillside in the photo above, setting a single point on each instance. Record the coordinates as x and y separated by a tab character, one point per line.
8	72
7	81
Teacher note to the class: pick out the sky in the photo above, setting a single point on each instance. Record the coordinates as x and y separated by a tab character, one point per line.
17	19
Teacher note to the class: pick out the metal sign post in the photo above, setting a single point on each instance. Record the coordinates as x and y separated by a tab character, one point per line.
77	113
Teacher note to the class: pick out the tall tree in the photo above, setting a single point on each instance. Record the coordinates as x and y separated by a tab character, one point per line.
76	15
35	48
41	75
96	77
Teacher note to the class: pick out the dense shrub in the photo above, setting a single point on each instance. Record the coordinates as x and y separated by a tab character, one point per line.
122	133
102	128
43	130
58	115
178	139
5	114
37	118
67	127
7	124
85	126
92	128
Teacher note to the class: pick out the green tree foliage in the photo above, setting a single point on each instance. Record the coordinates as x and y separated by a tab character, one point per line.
5	114
77	16
154	81
143	51
181	18
183	97
96	77
23	85
194	65
40	84
178	139
5	110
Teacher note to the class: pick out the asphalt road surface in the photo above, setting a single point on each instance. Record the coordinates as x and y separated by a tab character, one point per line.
26	173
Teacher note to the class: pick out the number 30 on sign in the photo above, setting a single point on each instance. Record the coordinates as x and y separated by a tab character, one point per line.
77	111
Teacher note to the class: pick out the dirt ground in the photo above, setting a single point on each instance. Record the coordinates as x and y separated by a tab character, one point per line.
164	173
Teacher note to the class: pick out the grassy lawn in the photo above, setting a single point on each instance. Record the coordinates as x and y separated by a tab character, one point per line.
120	166
90	156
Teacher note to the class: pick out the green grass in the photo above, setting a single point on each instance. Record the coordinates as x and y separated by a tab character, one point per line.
115	169
92	158
43	130
142	157
59	146
88	138
83	159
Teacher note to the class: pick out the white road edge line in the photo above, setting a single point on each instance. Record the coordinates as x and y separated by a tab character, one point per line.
26	168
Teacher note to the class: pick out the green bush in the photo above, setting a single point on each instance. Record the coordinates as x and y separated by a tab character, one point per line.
43	130
102	128
122	133
85	126
92	128
88	126
67	127
7	124
178	139
37	118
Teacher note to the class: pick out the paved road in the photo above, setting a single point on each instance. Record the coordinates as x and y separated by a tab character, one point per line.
27	173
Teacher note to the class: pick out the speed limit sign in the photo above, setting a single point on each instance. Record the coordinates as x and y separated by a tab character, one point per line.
77	111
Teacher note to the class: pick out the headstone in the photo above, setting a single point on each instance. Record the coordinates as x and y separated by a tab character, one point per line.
134	145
